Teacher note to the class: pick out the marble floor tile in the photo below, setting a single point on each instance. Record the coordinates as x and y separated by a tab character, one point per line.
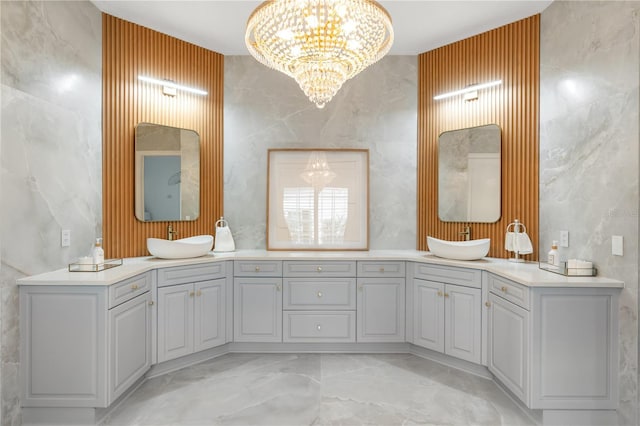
318	389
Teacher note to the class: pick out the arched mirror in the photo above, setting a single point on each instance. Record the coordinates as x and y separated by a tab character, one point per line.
469	174
167	173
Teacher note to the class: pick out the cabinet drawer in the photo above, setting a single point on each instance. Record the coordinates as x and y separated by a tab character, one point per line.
317	293
381	269
251	268
324	326
509	290
191	273
322	268
128	289
448	274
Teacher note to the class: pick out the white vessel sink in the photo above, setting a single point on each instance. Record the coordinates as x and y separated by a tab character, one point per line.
180	249
459	250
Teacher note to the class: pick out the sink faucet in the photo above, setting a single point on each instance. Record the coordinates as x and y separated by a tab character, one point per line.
171	234
466	233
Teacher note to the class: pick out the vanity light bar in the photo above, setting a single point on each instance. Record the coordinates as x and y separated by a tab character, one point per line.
171	84
468	89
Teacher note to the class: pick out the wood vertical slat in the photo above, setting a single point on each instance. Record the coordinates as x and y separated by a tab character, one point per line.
130	50
510	53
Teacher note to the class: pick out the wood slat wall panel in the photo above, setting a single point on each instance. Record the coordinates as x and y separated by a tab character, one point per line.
130	50
510	53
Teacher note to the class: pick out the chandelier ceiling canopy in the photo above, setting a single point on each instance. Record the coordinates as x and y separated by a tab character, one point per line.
319	43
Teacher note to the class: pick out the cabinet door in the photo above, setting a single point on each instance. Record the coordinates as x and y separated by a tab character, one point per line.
509	345
462	328
175	321
257	314
130	343
210	313
380	310
428	315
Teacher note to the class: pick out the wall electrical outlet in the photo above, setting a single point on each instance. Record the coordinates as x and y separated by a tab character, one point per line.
65	238
617	245
564	238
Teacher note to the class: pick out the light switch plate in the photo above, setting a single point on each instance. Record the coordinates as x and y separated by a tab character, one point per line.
564	238
65	238
617	246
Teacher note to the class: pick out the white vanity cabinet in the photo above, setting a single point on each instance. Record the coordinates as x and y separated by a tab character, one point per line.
447	310
381	301
319	301
257	301
191	309
555	348
82	345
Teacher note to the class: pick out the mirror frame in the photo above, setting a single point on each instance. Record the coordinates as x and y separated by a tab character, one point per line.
190	156
464	192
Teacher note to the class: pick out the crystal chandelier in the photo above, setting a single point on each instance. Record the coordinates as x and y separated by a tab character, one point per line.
319	43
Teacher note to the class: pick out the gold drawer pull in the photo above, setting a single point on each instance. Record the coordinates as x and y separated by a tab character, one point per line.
257	269
191	294
319	327
503	289
446	295
487	304
319	268
134	287
440	293
382	269
319	294
199	293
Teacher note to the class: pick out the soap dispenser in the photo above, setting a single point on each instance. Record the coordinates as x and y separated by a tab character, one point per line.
98	252
553	256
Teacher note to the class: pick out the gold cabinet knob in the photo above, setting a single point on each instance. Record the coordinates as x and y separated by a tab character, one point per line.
446	295
319	268
257	269
134	287
191	294
439	293
151	303
382	269
199	293
503	289
487	304
319	294
277	287
319	327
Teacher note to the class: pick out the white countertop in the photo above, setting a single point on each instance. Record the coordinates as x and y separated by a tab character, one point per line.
527	273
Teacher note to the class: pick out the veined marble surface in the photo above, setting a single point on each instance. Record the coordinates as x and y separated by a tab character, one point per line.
318	389
376	110
589	169
528	274
50	157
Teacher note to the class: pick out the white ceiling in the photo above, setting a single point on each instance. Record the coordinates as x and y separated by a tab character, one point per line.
419	25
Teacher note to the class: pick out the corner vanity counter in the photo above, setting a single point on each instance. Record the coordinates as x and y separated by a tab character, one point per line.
88	339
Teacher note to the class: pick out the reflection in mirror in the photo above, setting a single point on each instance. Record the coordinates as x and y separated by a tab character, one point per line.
317	199
167	173
469	175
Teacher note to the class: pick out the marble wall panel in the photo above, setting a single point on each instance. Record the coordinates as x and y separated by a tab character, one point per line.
50	154
589	169
376	110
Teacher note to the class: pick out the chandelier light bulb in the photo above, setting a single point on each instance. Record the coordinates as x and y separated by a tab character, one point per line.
319	43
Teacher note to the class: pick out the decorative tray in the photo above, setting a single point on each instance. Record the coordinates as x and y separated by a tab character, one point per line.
569	272
92	267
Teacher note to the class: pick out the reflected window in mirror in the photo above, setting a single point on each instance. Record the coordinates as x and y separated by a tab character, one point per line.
469	175
167	173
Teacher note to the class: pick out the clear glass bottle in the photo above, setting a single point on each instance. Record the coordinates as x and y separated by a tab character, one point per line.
98	252
553	256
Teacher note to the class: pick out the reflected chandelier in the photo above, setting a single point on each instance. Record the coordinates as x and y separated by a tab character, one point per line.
319	43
